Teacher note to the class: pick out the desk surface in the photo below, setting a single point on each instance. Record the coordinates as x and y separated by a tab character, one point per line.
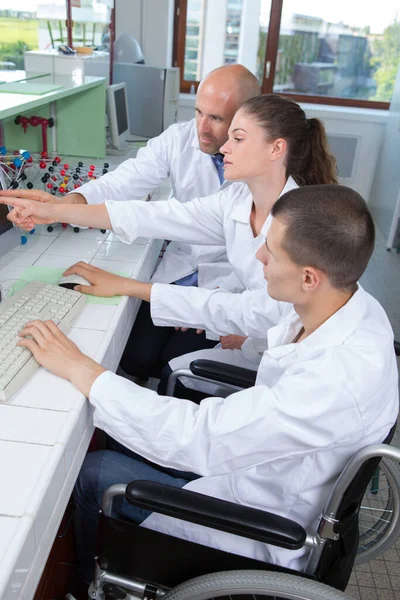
11	104
46	427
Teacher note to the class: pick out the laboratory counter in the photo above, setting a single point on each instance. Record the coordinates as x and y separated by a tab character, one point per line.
46	427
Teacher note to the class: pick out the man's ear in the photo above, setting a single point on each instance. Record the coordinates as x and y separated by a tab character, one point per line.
312	279
278	148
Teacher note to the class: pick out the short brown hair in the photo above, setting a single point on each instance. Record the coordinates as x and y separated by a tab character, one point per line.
328	227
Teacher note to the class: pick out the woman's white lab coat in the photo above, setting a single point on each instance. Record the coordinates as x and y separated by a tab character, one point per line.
174	154
220	219
280	445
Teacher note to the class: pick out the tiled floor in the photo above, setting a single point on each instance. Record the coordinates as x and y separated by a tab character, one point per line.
380	579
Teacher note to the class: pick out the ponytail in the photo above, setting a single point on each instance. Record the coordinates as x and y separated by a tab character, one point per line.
313	164
308	159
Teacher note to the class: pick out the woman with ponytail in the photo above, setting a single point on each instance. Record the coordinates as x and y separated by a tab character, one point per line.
272	148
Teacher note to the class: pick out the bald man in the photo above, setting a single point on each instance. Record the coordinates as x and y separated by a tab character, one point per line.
187	153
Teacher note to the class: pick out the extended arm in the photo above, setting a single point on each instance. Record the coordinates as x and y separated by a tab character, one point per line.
249	313
135	177
270	422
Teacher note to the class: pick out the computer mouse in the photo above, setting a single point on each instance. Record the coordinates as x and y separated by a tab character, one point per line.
70	281
64	49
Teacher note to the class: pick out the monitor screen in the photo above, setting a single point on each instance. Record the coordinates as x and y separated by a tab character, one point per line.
5	225
121	110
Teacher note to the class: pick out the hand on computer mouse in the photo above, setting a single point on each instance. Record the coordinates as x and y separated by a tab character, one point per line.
71	282
101	283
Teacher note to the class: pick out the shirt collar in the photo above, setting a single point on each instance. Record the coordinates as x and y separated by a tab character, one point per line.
331	333
242	210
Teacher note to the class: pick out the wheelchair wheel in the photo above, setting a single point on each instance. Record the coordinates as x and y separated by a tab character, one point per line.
379	518
253	585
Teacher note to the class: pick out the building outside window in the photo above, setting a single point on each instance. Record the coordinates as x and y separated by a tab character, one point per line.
232	32
342	53
41	25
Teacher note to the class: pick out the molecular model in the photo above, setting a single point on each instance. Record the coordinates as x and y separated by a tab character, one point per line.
21	170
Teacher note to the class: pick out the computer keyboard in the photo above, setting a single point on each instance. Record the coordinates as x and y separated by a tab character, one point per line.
36	300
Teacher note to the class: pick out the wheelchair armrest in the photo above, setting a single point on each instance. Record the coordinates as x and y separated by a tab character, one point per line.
218	514
224	373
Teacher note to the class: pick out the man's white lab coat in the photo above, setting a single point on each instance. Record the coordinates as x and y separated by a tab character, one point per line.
280	445
174	154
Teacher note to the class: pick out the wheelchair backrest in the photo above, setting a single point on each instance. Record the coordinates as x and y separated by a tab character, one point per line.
337	557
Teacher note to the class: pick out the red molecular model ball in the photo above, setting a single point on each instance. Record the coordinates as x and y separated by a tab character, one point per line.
62	172
42	164
57	159
43	154
90	173
30	159
50	186
92	167
66	166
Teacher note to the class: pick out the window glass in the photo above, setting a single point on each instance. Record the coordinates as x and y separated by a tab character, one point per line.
194	39
232	31
227	32
29	25
91	20
342	49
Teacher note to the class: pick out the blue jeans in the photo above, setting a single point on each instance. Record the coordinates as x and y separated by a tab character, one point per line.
100	470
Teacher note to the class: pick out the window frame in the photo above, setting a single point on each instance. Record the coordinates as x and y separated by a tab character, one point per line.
270	59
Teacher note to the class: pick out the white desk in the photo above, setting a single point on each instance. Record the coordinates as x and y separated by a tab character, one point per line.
46	427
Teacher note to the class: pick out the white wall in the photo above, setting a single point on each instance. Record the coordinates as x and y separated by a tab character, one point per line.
128	18
214	29
249	34
151	23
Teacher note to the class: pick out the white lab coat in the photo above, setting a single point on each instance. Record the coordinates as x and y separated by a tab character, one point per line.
174	154
280	445
222	218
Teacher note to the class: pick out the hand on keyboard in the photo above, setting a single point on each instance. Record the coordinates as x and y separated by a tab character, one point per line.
54	351
36	300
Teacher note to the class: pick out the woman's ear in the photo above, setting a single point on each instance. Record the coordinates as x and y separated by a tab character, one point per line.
278	148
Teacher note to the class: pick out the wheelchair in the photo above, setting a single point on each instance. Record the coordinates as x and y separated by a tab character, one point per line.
137	563
379	527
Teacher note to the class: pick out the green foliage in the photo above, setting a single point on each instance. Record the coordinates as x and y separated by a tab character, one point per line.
386	61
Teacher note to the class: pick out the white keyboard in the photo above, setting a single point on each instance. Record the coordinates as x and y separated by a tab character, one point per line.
36	300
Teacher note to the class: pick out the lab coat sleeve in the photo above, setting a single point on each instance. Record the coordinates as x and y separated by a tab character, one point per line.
253	349
197	222
250	313
135	177
224	435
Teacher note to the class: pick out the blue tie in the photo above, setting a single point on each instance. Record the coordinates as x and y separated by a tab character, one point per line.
218	160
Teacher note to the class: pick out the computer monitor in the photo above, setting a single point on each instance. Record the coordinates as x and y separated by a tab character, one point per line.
117	113
9	237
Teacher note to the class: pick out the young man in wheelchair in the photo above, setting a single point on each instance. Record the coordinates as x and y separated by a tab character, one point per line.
326	387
